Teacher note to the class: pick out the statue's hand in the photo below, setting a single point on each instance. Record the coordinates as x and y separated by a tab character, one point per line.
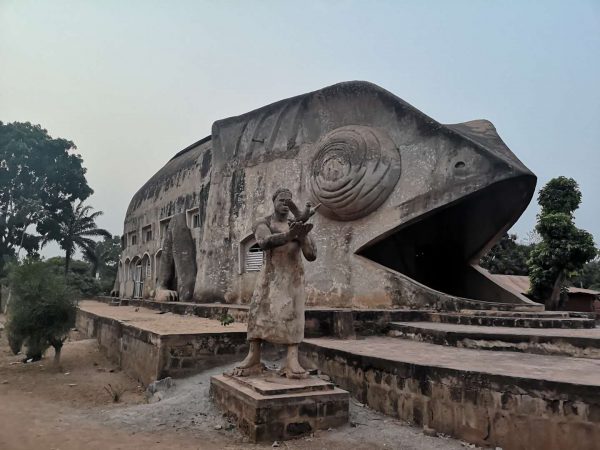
298	230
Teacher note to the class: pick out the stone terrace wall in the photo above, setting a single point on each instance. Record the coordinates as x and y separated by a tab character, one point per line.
488	410
186	354
149	356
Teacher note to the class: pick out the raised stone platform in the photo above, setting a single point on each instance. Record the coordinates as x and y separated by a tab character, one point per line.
323	321
487	397
150	345
268	407
582	343
506	399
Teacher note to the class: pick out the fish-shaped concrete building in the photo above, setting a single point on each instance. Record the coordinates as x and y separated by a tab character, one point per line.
408	205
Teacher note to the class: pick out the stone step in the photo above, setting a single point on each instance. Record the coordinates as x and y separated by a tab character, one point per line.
489	398
541	314
581	343
506	321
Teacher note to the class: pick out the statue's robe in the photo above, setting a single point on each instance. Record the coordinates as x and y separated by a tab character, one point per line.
277	308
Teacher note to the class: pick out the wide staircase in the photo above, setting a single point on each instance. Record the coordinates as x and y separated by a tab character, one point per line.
510	379
550	333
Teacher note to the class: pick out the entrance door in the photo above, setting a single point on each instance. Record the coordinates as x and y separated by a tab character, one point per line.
138	282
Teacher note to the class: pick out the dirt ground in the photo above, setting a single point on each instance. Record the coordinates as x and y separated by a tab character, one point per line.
70	409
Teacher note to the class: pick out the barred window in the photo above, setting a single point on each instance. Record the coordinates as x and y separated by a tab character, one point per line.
148	269
254	259
196	220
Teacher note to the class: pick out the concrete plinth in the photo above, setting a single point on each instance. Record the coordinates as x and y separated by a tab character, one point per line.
269	407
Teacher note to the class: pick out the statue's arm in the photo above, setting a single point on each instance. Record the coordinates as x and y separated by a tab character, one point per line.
266	240
309	249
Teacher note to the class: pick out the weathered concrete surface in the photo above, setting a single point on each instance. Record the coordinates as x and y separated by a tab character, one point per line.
177	274
511	321
150	346
581	343
320	321
269	409
511	400
508	399
408	203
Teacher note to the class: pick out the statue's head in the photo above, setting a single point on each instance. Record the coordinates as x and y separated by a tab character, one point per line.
281	199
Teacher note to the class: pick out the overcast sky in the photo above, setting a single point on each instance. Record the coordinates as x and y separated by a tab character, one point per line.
133	82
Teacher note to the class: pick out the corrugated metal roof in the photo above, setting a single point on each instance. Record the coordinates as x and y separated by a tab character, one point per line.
521	284
576	290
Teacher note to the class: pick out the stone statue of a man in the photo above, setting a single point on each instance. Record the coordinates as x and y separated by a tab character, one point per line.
277	308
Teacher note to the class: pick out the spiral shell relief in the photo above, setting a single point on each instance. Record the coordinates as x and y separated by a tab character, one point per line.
354	171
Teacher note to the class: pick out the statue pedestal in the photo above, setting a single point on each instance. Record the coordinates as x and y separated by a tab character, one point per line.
268	407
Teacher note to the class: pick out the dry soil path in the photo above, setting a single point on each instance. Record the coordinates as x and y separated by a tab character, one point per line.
69	409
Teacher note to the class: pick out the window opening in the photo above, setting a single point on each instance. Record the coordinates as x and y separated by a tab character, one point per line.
147	233
254	259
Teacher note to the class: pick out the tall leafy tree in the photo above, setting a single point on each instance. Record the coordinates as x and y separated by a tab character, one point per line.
564	248
38	175
73	228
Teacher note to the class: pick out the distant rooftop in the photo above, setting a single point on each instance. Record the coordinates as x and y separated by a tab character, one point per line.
521	284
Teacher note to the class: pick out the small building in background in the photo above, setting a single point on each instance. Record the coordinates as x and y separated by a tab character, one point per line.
578	299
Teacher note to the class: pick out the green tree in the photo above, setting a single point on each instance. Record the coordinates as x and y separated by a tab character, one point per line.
73	228
43	311
108	252
564	249
105	257
79	278
38	174
589	276
507	257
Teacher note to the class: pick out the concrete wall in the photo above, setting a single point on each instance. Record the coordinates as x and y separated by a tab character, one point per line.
148	356
185	354
486	410
181	186
230	177
135	351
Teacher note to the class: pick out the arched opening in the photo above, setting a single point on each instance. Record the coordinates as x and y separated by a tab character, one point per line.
157	265
126	273
137	277
146	267
147	279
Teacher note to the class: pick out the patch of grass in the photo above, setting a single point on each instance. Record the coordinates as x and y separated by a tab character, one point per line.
226	319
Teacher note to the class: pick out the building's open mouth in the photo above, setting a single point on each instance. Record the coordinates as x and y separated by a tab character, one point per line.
438	248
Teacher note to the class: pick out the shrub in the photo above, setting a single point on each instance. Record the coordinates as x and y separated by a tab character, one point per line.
43	308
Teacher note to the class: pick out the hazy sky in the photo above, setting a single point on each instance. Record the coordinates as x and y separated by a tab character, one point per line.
133	82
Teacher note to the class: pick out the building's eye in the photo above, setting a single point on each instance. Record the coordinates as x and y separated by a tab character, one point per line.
459	165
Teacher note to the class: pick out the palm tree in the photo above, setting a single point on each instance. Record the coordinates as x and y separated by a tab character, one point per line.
104	255
73	229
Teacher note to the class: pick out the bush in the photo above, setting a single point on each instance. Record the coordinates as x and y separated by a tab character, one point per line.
79	277
42	310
